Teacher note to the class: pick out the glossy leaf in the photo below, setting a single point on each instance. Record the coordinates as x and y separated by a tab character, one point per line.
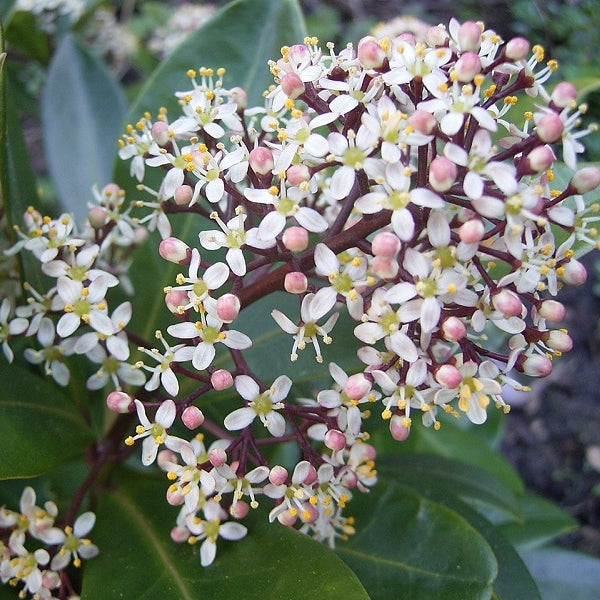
39	426
132	531
82	113
440	477
542	521
564	574
409	547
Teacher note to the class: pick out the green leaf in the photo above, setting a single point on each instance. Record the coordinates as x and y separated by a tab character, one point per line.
270	563
564	574
82	113
23	33
412	548
542	521
39	426
439	477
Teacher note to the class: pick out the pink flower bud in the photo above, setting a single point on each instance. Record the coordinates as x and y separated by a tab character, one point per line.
516	49
297	174
549	128
240	97
311	476
192	417
97	217
140	235
183	195
217	457
508	303
228	307
551	310
385	244
349	479
397	429
386	268
442	174
540	159
176	298
448	376
160	133
573	273
308	514
472	231
436	36
221	379
278	475
357	386
239	510
467	66
564	94
469	36
370	54
261	160
295	282
559	340
298	54
535	365
119	402
335	440
295	239
112	192
422	121
287	518
180	534
292	85
586	180
175	496
453	329
175	250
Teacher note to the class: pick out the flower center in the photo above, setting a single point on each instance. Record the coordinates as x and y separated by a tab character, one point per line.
389	322
354	157
262	405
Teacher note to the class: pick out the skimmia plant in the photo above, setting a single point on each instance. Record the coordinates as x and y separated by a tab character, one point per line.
384	214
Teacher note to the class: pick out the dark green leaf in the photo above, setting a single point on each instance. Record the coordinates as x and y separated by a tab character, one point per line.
412	548
564	574
22	33
542	521
270	563
39	426
82	113
440	477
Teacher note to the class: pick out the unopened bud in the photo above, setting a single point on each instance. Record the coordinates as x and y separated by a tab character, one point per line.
386	268
564	95
183	194
552	310
176	298
175	250
471	231
217	457
453	329
385	244
517	48
442	174
574	273
422	121
540	159
437	36
508	303
292	85
535	365
549	128
357	386
311	476
335	440
192	417
448	376
297	174
97	217
180	534
228	307
295	238
469	36
221	379
160	133
295	282
239	510
119	402
287	518
467	66
586	180
308	514
261	160
140	235
559	340
397	428
278	475
240	97
175	496
370	54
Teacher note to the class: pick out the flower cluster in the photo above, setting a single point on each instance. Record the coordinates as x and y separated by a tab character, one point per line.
38	570
394	188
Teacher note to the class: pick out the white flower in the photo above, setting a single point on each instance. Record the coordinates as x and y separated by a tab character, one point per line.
15	327
261	404
75	544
